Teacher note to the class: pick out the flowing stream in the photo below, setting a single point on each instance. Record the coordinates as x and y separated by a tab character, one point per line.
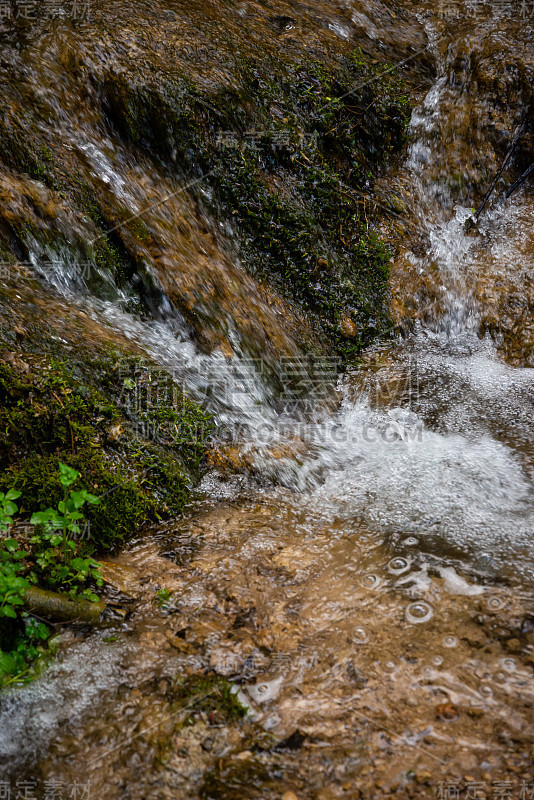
370	588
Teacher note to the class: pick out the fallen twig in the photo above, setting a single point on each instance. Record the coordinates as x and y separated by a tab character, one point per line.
519	181
471	221
63	608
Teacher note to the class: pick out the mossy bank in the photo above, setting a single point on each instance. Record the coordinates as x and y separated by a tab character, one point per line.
136	437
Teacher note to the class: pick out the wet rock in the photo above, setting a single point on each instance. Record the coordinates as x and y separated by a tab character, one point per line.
115	433
514	645
446	711
348	327
292	742
17	363
475	713
329	793
178	643
282	23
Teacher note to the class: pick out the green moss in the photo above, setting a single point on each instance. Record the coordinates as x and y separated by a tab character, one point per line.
123	506
164	410
21	147
304	209
211	694
301	200
140	472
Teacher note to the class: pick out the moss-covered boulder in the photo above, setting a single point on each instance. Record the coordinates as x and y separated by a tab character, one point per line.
141	459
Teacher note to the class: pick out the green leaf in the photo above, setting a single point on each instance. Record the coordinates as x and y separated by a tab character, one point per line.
7	663
9	507
67	475
76	499
8	611
19	583
40	517
83	496
11	545
13	494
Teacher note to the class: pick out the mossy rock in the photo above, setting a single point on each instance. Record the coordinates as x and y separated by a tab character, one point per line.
50	416
301	210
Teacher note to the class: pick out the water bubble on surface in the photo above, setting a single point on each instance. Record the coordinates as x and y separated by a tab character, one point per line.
437	661
508	664
371	581
427	672
486	691
495	603
389	666
360	635
266	690
411	541
450	641
419	612
399	565
500	677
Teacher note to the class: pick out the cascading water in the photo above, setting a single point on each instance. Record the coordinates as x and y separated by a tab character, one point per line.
396	551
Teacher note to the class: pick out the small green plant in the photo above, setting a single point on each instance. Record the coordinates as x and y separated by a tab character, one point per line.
67	515
163	596
12	586
61	569
17	635
51	560
7	508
